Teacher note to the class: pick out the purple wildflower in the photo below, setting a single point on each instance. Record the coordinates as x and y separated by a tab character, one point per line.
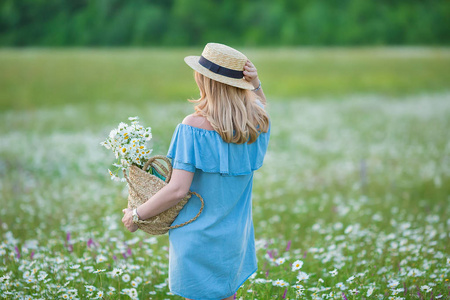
304	254
17	251
32	254
418	294
288	245
284	294
343	296
90	242
68	236
129	251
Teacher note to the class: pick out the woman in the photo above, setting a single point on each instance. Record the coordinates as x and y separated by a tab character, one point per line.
214	152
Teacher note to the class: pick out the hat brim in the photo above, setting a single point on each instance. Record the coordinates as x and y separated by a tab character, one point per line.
192	61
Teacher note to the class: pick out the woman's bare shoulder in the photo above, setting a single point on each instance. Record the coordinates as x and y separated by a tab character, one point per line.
197	121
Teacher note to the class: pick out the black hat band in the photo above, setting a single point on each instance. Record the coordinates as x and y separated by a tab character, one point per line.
215	68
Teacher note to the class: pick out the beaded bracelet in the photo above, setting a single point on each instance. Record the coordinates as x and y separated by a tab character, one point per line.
258	88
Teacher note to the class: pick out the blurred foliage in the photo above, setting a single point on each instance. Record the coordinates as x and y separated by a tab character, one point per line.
186	22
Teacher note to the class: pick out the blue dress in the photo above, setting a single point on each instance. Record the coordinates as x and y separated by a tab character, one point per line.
213	256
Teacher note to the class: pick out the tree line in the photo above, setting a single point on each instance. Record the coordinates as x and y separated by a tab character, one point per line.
195	22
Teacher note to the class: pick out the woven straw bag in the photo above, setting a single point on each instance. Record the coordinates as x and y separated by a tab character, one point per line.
143	185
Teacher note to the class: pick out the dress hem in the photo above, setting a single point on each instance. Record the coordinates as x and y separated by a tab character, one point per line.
179	294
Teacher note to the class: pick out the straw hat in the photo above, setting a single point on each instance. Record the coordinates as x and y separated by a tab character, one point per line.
221	63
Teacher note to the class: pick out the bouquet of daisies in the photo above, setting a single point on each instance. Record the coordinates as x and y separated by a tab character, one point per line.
128	142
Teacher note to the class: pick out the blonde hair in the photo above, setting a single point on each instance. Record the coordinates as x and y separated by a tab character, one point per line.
232	111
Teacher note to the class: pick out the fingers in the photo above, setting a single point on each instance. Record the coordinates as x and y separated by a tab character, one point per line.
250	72
249	76
249	68
125	220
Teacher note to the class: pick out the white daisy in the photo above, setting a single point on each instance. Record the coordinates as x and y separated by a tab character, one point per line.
280	282
101	258
425	288
297	265
90	288
126	277
116	272
302	276
77	266
280	260
99	271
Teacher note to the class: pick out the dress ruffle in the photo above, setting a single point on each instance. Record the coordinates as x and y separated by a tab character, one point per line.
197	148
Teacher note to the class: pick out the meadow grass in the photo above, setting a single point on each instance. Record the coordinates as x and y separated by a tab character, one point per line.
31	78
354	191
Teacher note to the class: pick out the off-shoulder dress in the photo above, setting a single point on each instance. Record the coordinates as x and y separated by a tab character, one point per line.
213	256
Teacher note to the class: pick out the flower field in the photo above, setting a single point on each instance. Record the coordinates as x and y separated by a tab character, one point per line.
353	201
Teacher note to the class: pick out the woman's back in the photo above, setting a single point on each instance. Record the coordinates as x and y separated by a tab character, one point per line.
198	121
219	245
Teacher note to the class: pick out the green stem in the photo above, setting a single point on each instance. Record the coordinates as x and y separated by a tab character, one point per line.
118	289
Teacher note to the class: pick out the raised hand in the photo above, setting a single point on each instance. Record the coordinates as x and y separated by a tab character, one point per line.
251	74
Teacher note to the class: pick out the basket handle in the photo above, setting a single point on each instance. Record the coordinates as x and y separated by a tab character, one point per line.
187	222
154	162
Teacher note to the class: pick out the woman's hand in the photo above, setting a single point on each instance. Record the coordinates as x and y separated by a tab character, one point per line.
251	74
128	220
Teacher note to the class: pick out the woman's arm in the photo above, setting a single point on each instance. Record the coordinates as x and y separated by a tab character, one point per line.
251	75
165	198
169	196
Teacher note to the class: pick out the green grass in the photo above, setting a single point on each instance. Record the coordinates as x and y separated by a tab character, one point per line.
358	182
32	78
